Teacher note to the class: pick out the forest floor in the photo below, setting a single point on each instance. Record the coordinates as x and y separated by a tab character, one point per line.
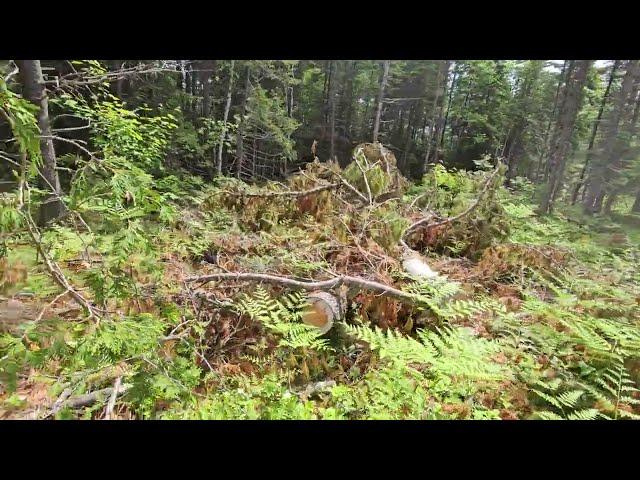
529	317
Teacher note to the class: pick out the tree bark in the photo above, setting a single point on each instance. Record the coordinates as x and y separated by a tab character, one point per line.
33	89
437	123
227	107
332	110
541	164
242	127
207	69
594	132
446	117
383	84
348	97
573	94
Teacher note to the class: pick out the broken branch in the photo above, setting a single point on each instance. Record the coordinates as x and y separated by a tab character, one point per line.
315	285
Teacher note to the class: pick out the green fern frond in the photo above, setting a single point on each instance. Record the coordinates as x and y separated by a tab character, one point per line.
282	316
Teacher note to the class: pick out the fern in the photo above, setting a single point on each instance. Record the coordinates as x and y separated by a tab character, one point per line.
453	352
612	388
566	402
437	294
283	316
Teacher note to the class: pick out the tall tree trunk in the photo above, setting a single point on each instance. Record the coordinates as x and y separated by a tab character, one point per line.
225	118
456	76
348	97
383	84
243	123
441	87
609	163
207	69
573	94
407	139
594	132
611	200
545	150
559	106
33	88
332	111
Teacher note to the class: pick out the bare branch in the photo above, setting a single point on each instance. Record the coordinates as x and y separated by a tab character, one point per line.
302	193
315	285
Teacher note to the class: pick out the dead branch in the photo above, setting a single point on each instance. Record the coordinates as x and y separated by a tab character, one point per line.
34	233
425	221
39	317
89	399
112	399
301	193
364	174
315	285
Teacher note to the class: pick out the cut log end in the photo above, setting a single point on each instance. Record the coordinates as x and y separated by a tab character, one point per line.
324	309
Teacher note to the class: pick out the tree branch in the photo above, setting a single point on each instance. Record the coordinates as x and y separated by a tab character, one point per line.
315	285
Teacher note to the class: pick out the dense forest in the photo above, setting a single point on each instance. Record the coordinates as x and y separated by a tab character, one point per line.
319	239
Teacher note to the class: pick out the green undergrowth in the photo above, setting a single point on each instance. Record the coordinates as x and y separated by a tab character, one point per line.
565	348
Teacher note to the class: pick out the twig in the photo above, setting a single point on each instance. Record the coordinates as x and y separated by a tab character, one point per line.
112	400
364	175
39	317
352	188
57	405
53	267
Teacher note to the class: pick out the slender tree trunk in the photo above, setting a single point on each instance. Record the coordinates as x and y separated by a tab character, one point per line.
441	87
594	132
574	92
611	200
383	84
636	205
559	106
613	145
407	139
193	103
332	111
348	97
33	88
207	68
225	118
365	118
243	123
545	151
456	76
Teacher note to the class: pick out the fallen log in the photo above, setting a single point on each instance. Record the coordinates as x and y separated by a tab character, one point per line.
324	309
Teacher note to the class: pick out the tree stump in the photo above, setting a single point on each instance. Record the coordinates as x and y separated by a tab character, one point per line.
324	309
